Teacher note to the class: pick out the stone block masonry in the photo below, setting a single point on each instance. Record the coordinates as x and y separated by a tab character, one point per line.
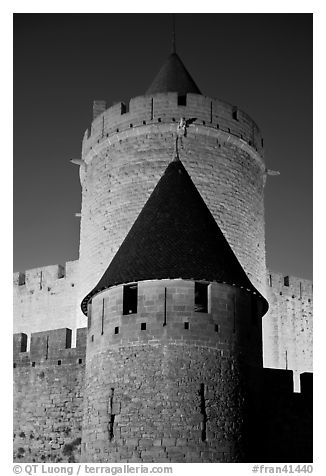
126	152
45	298
288	325
48	396
158	390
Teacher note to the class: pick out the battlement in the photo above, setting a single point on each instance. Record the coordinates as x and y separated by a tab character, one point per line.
290	286
169	108
53	346
45	276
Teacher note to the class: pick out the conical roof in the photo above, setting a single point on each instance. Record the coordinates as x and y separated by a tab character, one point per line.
174	236
173	77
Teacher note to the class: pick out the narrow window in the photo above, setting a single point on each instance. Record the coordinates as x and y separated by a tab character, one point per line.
152	109
102	318
92	338
186	325
14	366
111	416
286	281
21	279
201	297
143	326
124	108
61	271
182	100
216	327
80	361
130	295
235	114
270	280
59	362
116	330
164	321
33	364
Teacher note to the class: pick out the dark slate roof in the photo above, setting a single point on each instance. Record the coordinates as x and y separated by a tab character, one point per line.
174	236
173	77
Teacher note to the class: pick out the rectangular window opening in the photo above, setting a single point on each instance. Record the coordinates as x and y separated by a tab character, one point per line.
201	297
61	271
235	114
80	361
286	281
186	325
124	108
116	330
143	326
21	279
59	362
130	298
216	327
182	100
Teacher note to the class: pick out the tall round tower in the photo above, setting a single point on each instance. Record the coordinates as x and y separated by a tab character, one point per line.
128	147
174	341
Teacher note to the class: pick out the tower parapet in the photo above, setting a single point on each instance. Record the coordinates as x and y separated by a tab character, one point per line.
126	152
155	375
166	108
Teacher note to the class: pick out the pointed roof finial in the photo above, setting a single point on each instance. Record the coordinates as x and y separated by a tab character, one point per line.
173	34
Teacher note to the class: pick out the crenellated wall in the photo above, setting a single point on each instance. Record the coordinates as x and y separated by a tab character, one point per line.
165	108
45	298
126	153
48	396
168	383
288	325
169	392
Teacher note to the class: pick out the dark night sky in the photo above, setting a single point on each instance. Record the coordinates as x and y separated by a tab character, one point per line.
260	62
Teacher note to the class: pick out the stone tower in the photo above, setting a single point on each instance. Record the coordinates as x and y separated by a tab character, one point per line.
128	147
174	340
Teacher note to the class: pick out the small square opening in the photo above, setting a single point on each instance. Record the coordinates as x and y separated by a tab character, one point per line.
182	100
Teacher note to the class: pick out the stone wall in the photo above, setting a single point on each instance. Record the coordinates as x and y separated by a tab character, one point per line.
159	390
288	325
48	396
45	298
126	153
